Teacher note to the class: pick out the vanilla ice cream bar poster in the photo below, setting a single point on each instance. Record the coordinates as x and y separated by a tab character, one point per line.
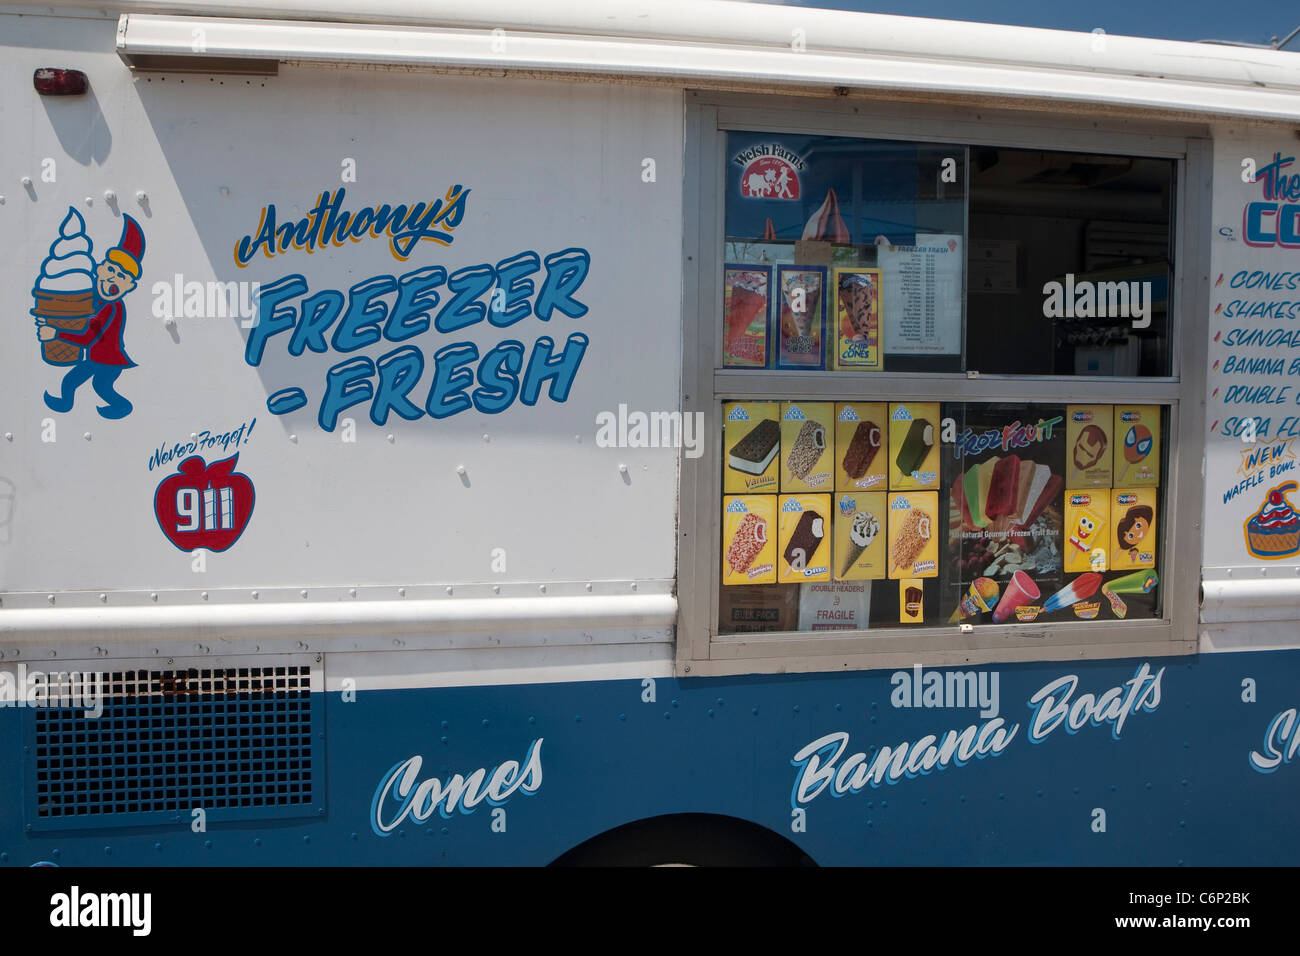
801	332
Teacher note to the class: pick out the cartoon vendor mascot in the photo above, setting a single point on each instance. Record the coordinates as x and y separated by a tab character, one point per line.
104	357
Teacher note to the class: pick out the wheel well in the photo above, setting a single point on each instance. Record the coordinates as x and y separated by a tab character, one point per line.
697	839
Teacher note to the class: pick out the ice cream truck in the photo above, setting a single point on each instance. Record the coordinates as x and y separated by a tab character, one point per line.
644	432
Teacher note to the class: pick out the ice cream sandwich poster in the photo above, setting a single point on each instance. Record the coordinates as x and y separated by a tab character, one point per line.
751	436
801	330
1003	485
746	306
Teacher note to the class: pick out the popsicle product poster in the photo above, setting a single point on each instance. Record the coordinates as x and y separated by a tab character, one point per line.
857	319
1004	479
751	435
804	545
911	601
801	330
749	529
914	445
861	437
913	550
1089	448
1136	461
746	306
1087	520
859	536
1133	528
807	446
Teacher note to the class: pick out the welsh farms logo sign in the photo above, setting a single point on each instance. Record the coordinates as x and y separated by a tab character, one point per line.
769	171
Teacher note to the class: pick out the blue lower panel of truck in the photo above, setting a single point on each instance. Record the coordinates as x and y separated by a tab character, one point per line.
1160	761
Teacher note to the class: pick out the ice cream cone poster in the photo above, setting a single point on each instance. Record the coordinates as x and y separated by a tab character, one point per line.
746	301
913	550
914	445
1088	446
80	317
807	446
857	319
1273	531
801	330
1137	446
804	545
859	538
752	439
749	539
1087	516
1133	528
861	437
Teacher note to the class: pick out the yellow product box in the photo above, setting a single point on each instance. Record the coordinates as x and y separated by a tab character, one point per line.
1133	528
911	601
861	434
1136	439
807	446
804	541
914	445
1088	446
913	534
857	319
1087	515
749	539
751	437
859	538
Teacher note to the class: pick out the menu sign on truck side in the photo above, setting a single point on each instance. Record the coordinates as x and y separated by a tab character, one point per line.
922	289
1253	412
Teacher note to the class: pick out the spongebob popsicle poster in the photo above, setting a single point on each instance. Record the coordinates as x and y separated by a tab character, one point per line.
80	316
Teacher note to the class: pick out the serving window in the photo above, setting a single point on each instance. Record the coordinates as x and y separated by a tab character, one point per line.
864	255
944	382
848	515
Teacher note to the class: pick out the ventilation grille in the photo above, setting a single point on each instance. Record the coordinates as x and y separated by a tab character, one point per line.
236	742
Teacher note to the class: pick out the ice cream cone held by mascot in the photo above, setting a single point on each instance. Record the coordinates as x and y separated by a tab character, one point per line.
80	316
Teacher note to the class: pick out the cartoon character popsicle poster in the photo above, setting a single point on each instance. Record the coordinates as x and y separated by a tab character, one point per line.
80	317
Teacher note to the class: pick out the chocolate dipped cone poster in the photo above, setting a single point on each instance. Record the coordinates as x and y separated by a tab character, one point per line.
80	317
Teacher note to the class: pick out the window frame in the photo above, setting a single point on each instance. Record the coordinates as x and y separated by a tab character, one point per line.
701	651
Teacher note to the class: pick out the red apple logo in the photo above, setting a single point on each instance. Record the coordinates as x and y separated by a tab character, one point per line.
204	506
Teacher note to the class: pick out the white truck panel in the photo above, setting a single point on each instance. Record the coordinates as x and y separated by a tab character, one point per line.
549	167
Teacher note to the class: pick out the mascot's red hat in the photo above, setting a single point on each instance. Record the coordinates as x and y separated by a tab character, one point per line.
130	248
